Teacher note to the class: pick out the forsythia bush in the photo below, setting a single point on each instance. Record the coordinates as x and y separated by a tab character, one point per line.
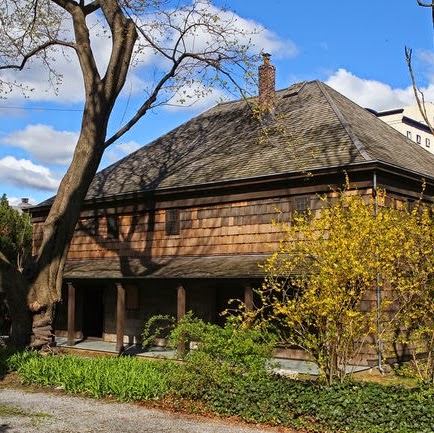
351	274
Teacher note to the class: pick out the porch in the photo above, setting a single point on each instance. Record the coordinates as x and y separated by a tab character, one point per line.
109	299
282	366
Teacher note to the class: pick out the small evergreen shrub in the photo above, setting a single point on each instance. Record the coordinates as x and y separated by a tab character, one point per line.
158	326
222	356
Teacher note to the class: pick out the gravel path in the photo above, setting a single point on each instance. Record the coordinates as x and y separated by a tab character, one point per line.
30	412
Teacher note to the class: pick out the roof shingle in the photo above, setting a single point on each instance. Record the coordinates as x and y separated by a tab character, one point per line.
313	127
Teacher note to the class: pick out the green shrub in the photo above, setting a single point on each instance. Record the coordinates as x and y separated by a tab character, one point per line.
243	349
222	354
158	326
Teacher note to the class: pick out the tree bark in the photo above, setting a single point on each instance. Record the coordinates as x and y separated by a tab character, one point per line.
100	96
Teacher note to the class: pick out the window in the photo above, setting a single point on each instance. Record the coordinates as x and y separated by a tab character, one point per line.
112	227
173	226
409	134
418	139
301	204
427	142
88	227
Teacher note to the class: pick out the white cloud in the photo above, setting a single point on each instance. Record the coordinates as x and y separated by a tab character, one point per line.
120	150
269	42
44	143
35	76
24	174
244	31
373	94
40	87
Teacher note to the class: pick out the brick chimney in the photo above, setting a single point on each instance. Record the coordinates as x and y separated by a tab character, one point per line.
267	85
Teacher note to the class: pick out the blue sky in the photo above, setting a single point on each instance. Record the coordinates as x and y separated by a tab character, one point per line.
356	47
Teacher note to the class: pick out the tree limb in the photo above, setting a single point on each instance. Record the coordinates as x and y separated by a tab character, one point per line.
420	97
35	51
124	37
71	4
146	105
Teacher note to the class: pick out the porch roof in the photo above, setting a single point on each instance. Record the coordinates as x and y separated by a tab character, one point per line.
229	266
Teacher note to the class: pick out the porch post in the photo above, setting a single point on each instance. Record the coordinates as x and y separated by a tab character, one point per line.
120	317
248	298
71	313
180	306
180	313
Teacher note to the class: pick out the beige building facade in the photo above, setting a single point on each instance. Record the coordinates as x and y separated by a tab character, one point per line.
409	121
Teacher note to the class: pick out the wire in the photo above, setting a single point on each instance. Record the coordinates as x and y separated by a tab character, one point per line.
8	107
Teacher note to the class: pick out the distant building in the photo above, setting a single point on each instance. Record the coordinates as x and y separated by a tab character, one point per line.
23	205
409	121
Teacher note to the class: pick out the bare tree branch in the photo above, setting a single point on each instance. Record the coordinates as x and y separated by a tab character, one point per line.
70	4
146	105
179	54
36	51
419	95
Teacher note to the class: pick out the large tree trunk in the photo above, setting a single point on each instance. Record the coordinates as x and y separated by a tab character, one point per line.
100	96
58	229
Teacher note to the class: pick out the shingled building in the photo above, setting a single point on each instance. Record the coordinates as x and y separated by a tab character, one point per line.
184	222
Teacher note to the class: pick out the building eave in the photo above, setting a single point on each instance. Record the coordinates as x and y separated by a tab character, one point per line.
264	182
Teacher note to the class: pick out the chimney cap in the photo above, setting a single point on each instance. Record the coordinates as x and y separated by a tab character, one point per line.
266	57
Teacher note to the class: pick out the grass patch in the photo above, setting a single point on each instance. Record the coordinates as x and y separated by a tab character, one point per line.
12	412
124	378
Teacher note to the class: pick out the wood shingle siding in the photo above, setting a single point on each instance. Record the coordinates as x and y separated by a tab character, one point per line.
229	228
227	177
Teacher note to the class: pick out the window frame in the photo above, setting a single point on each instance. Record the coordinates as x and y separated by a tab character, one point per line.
302	203
173	222
112	222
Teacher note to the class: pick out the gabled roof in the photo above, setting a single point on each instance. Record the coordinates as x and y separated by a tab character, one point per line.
313	127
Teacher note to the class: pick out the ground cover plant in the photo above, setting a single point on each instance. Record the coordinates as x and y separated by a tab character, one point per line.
217	378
